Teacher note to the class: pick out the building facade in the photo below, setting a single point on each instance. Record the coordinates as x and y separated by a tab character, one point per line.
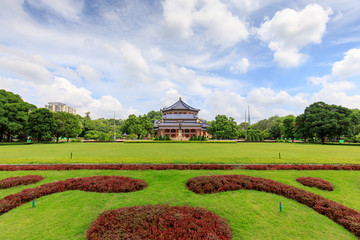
61	107
180	121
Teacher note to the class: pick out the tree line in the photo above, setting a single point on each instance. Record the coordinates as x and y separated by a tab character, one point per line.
319	122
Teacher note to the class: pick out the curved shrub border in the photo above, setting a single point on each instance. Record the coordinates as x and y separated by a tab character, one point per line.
340	214
16	181
103	184
61	167
159	222
316	182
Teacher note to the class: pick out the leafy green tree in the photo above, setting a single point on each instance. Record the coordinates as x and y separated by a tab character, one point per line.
154	115
68	125
141	126
322	120
14	114
92	134
289	127
223	127
41	124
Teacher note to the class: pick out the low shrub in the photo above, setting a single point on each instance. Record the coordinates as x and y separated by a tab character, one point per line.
61	167
353	167
159	222
103	184
316	182
348	218
16	181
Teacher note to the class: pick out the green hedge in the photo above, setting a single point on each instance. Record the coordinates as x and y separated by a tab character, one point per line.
159	141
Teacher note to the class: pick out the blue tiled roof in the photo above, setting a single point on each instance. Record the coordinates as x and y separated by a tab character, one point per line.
180	105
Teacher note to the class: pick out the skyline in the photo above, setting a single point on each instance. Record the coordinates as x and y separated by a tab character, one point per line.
220	56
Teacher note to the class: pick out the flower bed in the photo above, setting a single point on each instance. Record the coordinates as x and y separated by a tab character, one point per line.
16	181
159	222
348	218
103	184
316	182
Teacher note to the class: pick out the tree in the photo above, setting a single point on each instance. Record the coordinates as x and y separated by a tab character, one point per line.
41	124
289	127
68	125
154	115
14	114
322	120
223	127
91	134
141	126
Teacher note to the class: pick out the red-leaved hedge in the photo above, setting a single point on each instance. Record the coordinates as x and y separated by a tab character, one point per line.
316	182
103	184
60	167
340	214
16	181
159	222
352	167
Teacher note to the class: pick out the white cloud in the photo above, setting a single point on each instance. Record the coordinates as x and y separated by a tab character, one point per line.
289	30
319	80
211	17
240	67
171	96
88	72
349	66
224	102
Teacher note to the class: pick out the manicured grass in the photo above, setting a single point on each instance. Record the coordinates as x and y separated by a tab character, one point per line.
179	153
250	214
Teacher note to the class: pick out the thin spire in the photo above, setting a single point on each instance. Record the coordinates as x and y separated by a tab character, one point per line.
249	115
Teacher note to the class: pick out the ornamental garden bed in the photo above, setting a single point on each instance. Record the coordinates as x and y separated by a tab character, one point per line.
159	222
16	181
348	218
316	182
102	184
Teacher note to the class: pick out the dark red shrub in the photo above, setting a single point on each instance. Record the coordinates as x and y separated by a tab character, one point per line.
353	167
16	181
316	182
60	167
159	222
103	184
340	214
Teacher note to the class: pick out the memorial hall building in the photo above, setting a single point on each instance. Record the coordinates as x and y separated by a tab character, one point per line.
180	121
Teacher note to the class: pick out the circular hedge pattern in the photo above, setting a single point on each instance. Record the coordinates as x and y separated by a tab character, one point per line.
159	222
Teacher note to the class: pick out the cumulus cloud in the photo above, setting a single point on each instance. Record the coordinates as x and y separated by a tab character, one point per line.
220	26
319	80
289	30
349	66
88	72
171	96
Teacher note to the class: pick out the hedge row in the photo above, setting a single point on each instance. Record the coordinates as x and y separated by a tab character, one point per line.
353	167
340	214
103	184
316	182
16	181
174	141
159	222
60	167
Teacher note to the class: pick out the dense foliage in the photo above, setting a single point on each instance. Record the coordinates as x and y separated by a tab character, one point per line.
159	222
348	218
316	182
16	181
103	184
41	124
223	127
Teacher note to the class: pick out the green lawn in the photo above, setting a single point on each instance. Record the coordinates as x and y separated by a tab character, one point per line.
179	153
250	214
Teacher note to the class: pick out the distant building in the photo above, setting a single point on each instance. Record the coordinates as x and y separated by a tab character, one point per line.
61	107
180	121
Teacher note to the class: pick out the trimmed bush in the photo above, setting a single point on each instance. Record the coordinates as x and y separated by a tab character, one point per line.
16	181
348	218
159	222
353	167
103	184
316	182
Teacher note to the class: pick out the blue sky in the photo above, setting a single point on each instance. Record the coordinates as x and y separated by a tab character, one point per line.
220	56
